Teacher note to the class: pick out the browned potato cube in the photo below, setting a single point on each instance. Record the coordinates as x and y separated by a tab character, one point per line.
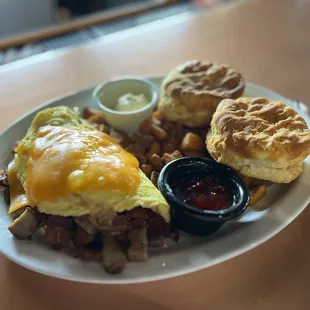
146	126
153	149
88	112
156	162
97	118
192	143
257	194
167	158
169	146
159	133
156	114
147	169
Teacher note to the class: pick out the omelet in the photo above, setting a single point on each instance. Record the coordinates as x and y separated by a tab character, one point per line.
65	167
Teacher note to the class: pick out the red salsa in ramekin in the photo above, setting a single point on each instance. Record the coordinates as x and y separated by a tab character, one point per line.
203	192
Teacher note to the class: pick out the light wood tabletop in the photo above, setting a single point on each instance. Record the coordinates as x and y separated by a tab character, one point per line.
268	41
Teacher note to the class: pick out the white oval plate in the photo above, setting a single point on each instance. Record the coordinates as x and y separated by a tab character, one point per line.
190	254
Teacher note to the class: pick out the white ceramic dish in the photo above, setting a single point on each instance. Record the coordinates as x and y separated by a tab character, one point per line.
107	94
189	254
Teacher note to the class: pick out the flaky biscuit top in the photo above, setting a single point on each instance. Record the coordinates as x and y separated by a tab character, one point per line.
260	129
198	85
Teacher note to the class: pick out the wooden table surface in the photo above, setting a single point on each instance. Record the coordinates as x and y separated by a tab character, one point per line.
268	41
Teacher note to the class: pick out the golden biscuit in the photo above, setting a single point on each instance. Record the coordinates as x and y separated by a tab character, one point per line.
262	139
191	92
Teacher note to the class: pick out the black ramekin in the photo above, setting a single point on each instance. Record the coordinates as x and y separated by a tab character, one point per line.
192	220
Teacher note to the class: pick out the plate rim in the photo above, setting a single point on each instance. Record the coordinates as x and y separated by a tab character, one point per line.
171	274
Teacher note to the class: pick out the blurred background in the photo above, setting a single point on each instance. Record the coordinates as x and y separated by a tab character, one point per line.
31	27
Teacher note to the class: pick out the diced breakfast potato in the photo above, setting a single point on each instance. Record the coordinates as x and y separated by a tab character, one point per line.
153	149
257	194
247	180
156	162
146	126
192	143
157	115
158	132
147	169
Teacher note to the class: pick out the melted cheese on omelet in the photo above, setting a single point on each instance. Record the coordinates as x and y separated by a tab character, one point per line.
69	169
